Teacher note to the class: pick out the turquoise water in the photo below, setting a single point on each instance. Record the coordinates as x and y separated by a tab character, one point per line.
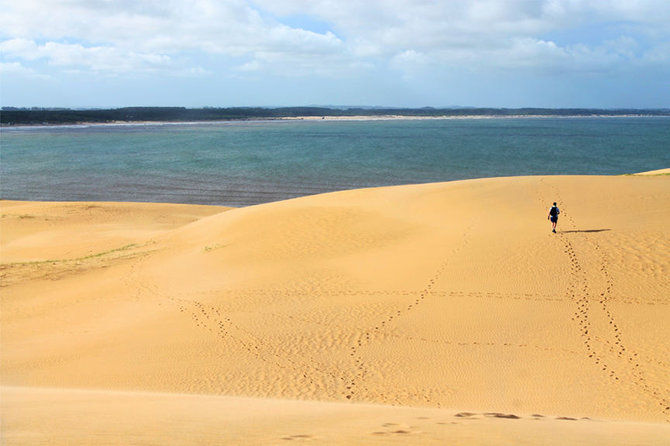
244	163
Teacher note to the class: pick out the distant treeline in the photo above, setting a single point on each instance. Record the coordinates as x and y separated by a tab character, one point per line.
54	116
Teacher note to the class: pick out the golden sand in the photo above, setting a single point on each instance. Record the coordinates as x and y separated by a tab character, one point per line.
656	172
61	417
436	299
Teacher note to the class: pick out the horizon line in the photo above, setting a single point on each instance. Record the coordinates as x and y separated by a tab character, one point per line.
326	106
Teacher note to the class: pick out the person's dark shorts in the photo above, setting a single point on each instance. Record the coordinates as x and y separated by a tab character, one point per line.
554	218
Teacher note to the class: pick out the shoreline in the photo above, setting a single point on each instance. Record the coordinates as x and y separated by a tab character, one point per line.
8	200
355	118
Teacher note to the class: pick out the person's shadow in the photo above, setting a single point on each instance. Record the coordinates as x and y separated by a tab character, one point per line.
585	230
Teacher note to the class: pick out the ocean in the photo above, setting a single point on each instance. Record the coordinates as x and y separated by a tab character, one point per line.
247	163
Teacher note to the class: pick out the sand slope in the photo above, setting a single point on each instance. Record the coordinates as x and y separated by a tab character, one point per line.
656	172
76	417
452	295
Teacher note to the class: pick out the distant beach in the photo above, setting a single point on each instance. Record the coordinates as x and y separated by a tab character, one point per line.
12	116
329	118
439	117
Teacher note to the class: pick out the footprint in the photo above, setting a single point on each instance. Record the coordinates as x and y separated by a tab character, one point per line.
302	437
404	431
510	416
465	414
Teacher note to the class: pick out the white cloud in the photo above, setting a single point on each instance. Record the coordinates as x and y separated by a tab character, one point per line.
126	36
10	69
23	48
96	58
231	27
13	68
410	62
251	66
485	33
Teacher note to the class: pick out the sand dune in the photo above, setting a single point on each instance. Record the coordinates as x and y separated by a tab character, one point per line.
451	296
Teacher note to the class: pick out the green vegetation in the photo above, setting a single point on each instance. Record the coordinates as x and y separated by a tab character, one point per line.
213	247
19	216
54	116
77	259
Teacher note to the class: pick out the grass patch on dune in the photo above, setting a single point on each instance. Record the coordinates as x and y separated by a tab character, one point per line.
214	247
76	259
19	216
54	269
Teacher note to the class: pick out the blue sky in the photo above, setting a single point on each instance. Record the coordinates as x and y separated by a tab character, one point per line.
405	53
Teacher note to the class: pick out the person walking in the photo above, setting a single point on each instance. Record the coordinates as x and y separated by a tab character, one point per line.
553	217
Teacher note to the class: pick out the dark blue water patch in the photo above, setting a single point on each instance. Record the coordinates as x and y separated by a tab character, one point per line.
254	162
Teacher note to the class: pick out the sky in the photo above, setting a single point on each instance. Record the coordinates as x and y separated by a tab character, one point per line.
390	53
